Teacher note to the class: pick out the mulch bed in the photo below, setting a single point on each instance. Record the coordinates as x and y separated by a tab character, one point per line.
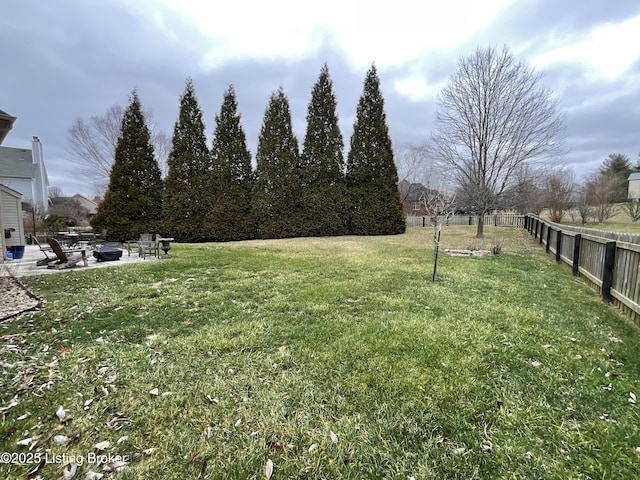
16	299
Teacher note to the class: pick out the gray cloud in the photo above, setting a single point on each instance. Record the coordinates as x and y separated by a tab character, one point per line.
68	59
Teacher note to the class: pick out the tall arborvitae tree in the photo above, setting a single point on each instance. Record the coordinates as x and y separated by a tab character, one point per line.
276	194
372	178
233	176
188	198
324	200
133	201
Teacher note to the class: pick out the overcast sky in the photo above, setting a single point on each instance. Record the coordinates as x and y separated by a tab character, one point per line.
69	59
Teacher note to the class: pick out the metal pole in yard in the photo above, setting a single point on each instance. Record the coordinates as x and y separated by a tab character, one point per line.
436	238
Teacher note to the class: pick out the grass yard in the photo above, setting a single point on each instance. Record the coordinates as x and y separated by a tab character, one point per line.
324	358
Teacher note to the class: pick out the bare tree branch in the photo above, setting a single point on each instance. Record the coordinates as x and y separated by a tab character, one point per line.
492	118
558	192
92	144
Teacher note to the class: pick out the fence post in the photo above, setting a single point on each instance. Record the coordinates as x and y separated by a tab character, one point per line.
424	221
607	274
558	245
576	254
548	247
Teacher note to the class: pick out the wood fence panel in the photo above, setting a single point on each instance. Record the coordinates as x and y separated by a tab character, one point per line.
626	285
591	264
553	239
566	249
500	220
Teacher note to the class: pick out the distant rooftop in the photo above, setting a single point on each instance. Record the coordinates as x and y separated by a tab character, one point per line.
634	176
6	124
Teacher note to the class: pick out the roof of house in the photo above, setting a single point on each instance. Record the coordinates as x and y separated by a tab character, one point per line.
10	191
634	176
6	124
17	163
90	205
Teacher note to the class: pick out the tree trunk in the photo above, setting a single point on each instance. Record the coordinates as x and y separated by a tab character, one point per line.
480	231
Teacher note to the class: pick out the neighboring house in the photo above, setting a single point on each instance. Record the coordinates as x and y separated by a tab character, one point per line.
411	195
634	186
23	169
6	124
11	225
89	205
76	211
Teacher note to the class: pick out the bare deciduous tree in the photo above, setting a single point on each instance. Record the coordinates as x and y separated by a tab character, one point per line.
93	143
632	208
524	195
601	192
582	207
492	118
558	192
412	162
439	205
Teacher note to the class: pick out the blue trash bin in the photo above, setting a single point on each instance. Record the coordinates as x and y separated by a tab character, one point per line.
17	251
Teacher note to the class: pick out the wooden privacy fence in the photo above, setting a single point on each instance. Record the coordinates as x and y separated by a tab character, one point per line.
610	266
499	220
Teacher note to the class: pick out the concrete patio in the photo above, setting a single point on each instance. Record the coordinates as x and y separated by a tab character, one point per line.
27	265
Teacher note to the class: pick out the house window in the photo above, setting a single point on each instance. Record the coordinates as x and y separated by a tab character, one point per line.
416	206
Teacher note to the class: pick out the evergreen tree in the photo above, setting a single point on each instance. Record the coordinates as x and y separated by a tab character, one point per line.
133	201
372	178
617	167
188	198
324	201
233	175
276	195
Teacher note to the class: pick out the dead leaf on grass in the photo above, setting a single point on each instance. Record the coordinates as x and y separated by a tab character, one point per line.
334	437
12	403
102	445
268	469
613	338
61	413
632	398
25	442
70	472
115	466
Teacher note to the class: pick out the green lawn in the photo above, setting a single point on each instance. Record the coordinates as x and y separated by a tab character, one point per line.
332	358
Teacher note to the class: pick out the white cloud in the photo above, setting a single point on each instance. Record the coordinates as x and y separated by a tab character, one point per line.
387	33
606	52
416	88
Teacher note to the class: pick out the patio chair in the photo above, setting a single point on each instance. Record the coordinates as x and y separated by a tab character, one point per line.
64	260
148	245
46	250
